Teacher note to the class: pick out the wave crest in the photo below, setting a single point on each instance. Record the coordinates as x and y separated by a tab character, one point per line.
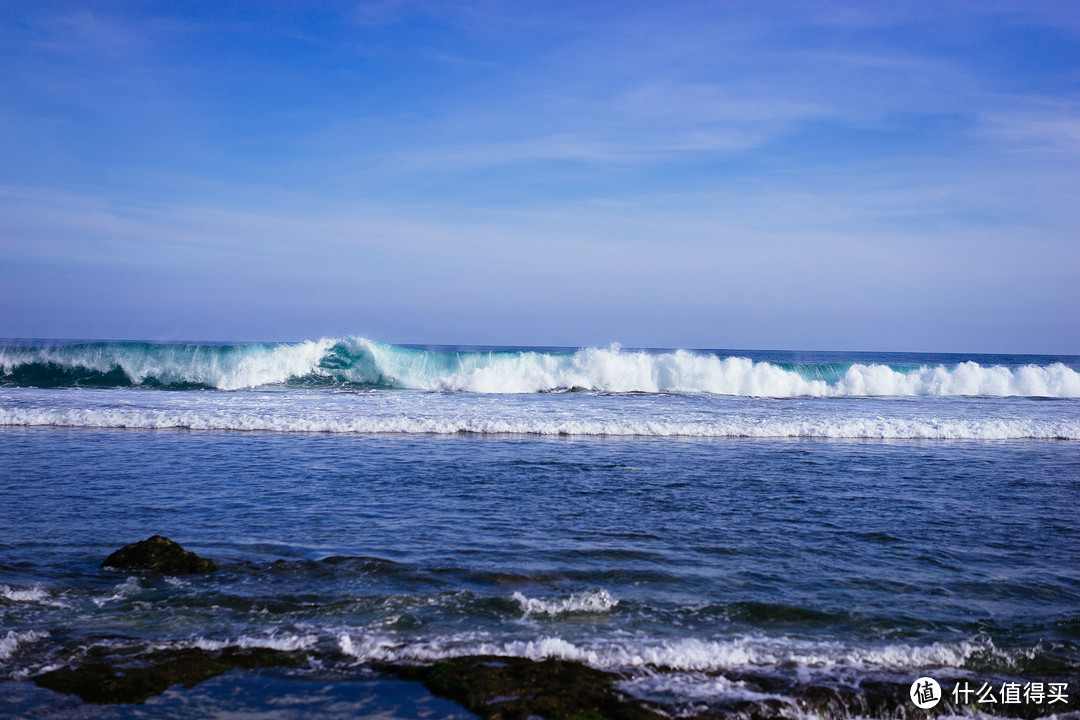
10	643
597	601
361	362
687	654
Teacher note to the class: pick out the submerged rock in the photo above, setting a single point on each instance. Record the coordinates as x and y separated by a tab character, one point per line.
514	688
161	554
510	688
105	684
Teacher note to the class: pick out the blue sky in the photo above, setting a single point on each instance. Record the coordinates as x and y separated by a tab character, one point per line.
864	176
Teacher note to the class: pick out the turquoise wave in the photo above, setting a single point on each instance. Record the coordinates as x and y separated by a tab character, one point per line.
361	363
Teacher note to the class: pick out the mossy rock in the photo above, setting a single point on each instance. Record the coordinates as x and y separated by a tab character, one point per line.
509	688
161	554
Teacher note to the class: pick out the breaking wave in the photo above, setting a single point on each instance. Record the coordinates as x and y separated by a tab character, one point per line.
10	642
596	601
272	641
358	362
31	594
686	654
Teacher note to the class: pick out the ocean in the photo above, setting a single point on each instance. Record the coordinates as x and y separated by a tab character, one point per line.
717	527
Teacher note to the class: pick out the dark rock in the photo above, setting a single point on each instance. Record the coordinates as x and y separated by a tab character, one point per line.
161	554
512	688
509	688
104	684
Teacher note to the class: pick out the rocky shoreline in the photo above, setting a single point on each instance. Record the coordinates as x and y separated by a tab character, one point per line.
511	688
492	687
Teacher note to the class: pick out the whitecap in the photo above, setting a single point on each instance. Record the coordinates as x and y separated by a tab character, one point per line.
595	601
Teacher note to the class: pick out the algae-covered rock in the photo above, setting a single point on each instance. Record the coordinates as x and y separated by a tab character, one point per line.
509	688
161	554
105	684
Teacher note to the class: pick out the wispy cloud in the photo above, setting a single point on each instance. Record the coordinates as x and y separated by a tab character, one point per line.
1037	126
638	159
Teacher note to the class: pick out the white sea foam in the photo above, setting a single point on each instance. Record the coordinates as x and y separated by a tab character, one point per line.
596	601
10	642
283	642
691	686
340	420
358	360
368	647
595	414
36	594
686	671
681	371
686	654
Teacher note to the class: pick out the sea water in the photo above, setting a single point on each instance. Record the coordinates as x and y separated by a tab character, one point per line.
687	518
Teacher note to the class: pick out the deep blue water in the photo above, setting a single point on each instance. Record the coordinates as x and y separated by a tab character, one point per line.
832	558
